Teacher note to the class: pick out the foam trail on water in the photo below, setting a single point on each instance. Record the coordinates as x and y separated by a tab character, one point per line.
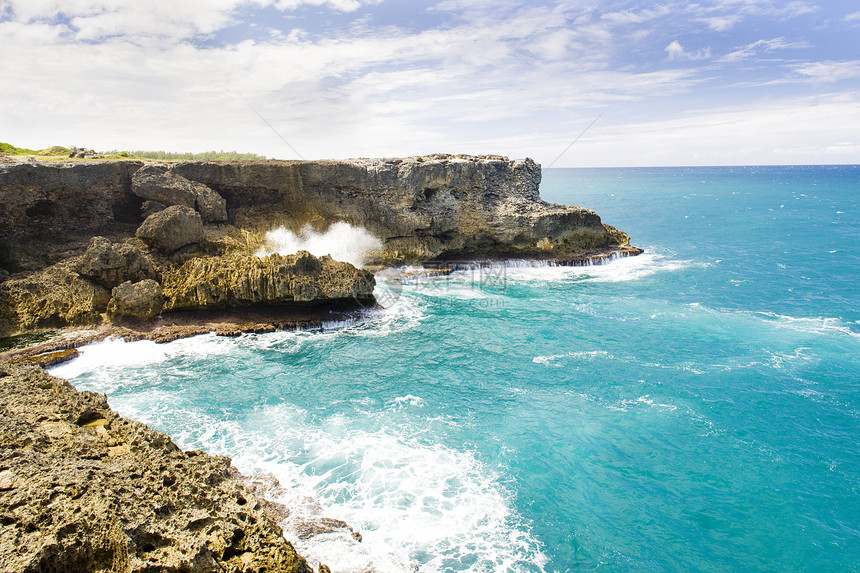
418	505
341	241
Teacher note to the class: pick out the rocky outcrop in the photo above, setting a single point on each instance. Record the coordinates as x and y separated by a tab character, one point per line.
111	264
139	301
243	280
56	296
422	208
172	229
83	489
157	183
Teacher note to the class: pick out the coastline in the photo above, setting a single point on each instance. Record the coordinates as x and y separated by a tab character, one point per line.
162	252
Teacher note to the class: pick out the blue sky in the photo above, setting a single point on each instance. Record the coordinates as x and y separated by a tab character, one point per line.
715	82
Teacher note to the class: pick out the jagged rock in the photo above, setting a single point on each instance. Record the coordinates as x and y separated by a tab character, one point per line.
243	280
110	264
56	296
140	300
157	183
83	490
172	228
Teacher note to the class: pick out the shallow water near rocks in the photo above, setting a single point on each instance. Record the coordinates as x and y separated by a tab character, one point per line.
693	408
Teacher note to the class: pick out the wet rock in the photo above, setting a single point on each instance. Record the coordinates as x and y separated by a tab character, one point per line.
172	228
110	264
141	300
83	489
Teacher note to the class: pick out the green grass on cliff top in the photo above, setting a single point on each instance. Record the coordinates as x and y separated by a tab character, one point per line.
63	152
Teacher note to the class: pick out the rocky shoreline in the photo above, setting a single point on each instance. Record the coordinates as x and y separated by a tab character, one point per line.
158	251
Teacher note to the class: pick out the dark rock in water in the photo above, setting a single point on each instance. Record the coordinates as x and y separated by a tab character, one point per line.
172	228
242	280
141	300
110	264
83	489
156	183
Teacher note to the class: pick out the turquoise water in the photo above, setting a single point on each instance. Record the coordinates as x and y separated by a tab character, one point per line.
694	408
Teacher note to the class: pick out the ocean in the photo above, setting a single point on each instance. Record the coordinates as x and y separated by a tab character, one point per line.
695	408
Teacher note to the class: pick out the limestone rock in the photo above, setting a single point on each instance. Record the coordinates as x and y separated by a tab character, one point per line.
56	296
83	490
140	300
111	264
157	183
172	228
422	208
242	280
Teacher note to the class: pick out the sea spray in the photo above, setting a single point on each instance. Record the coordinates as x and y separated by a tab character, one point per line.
341	241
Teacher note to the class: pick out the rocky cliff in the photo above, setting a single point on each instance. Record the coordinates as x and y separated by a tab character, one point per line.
183	235
85	490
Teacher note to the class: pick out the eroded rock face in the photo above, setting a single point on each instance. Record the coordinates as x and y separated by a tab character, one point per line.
83	489
422	208
141	300
157	183
240	280
110	264
172	228
56	296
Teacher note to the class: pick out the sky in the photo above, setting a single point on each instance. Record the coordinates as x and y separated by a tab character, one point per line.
713	82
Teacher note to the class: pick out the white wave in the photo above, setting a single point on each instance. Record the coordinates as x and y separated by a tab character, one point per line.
615	270
552	360
817	325
418	505
115	354
341	241
642	401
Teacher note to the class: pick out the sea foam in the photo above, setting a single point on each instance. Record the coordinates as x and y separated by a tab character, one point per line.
341	241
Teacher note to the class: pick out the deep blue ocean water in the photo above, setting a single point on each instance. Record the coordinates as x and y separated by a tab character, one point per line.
696	408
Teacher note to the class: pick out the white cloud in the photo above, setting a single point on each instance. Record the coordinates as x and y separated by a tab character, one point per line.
495	77
675	51
721	23
761	47
828	71
812	130
852	17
